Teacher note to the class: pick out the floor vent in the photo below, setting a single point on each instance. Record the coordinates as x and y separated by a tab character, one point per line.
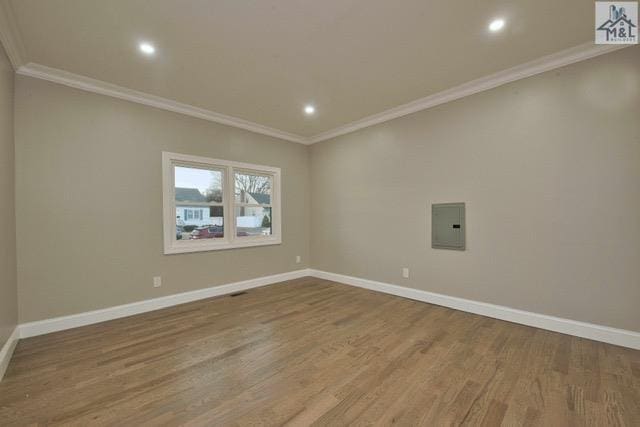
237	294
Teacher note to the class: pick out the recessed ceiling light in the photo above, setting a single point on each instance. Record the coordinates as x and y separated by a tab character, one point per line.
496	25
309	109
147	48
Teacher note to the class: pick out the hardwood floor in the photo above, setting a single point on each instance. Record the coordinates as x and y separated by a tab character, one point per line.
311	351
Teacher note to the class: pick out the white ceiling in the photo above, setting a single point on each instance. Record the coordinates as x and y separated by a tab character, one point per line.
263	60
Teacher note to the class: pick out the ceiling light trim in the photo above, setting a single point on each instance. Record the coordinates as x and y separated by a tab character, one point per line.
147	48
10	36
103	88
546	63
497	25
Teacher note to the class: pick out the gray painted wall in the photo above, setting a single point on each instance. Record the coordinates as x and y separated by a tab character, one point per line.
89	201
8	283
549	168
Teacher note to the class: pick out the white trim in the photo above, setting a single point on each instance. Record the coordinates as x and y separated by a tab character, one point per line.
10	36
103	88
230	240
7	351
546	63
41	327
591	331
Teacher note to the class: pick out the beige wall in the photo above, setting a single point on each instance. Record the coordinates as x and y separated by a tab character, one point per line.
89	201
550	170
8	283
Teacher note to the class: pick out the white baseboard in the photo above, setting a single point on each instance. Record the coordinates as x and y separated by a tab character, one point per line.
606	334
591	331
7	351
46	326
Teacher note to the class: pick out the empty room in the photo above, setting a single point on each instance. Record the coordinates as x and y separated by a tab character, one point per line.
328	213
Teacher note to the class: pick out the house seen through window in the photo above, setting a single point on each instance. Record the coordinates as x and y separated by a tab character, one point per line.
218	204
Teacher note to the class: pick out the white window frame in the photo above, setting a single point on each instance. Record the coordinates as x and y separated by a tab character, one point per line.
230	239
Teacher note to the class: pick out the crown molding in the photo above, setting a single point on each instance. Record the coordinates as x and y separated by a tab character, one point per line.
528	69
10	36
546	63
103	88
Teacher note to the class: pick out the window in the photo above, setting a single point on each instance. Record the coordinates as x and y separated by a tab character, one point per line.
193	214
252	204
218	204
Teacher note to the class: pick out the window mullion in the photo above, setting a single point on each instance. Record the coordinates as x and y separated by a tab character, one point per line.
230	204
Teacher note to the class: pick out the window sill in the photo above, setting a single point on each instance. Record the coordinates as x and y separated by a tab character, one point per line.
219	246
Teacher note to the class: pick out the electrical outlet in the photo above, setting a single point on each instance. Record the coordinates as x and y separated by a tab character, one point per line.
405	273
157	281
298	259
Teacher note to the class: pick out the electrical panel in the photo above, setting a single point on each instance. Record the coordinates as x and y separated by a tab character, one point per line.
447	226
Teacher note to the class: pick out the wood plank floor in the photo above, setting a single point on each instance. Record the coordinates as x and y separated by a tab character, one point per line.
311	351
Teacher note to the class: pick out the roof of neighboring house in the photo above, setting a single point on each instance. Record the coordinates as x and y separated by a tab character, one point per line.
261	198
189	195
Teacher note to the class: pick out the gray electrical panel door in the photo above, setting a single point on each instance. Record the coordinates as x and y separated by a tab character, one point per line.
447	226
